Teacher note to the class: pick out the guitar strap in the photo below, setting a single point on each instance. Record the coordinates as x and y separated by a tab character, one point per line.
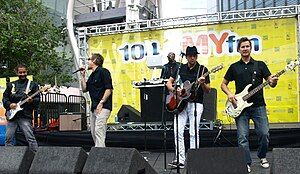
198	75
255	71
199	72
27	87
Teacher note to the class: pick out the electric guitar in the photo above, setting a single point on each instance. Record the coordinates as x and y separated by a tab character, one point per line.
188	94
241	98
10	114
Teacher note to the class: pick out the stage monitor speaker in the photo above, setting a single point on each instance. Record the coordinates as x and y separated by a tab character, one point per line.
285	160
152	104
15	159
225	160
71	122
116	161
53	160
210	105
128	114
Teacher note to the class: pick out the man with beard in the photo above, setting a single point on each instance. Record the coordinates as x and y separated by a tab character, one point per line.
243	72
192	71
99	85
15	92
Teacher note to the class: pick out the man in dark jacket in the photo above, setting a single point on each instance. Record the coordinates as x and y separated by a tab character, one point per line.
169	68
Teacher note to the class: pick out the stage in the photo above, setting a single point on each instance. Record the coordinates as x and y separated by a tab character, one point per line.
133	136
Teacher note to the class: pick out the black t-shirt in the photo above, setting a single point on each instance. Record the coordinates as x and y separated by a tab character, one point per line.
98	82
186	73
243	74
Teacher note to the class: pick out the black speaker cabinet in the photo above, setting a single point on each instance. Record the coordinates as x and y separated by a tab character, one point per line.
15	159
128	114
225	160
106	160
152	104
210	105
285	160
53	160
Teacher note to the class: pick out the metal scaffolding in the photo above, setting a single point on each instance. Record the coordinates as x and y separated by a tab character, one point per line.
154	126
180	22
188	21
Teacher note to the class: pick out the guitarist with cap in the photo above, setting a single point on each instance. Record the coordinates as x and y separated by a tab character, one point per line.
15	92
190	72
244	72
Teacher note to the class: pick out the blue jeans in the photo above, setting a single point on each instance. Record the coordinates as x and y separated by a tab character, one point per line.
26	127
259	116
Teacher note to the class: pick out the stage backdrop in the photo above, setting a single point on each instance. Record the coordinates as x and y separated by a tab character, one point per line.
273	41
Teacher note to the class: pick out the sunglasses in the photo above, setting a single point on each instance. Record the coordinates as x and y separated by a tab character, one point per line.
22	72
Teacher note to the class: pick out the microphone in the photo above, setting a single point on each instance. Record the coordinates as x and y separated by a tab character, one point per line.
80	69
182	54
3	67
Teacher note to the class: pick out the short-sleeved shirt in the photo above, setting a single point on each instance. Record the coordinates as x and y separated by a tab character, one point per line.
98	82
243	74
186	73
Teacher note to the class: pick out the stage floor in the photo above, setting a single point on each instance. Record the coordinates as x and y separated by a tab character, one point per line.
156	160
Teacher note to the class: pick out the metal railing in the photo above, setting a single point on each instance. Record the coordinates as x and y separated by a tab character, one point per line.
54	104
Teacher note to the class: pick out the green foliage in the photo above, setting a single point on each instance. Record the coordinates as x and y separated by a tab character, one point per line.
28	35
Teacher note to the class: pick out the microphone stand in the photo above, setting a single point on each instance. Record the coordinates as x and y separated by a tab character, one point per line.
176	113
164	124
195	109
163	76
220	135
195	125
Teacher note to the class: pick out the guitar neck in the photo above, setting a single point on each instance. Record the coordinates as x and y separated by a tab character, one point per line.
206	74
31	96
196	82
261	86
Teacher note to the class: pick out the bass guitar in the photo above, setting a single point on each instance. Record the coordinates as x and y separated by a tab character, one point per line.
241	98
10	114
188	93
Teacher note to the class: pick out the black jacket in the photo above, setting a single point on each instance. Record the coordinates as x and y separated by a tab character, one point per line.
15	92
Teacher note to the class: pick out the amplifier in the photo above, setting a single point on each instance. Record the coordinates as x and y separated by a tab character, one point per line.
70	122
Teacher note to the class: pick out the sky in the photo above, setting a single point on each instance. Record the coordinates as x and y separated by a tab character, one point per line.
179	8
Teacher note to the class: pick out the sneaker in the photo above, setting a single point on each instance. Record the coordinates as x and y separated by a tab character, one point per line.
180	165
146	158
248	168
264	163
173	163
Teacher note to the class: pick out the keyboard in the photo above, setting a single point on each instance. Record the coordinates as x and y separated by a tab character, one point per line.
150	82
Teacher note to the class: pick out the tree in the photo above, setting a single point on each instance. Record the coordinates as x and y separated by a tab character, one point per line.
28	35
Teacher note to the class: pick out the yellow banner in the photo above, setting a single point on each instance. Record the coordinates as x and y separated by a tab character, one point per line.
273	41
